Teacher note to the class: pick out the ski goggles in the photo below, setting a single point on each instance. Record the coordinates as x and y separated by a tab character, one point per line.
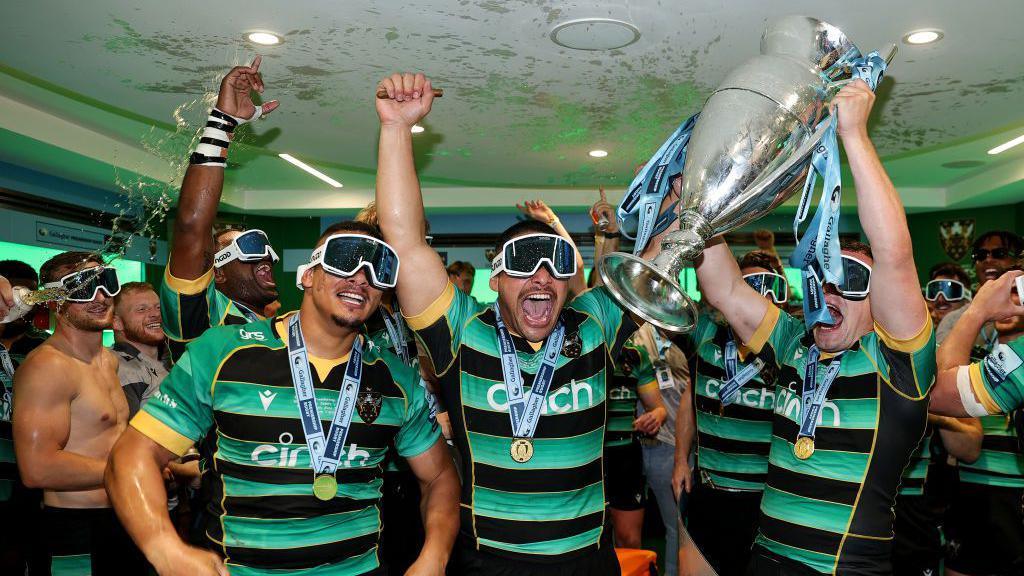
856	281
951	290
82	286
522	256
345	254
249	246
769	284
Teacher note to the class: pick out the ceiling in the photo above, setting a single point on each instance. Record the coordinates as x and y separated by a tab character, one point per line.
89	91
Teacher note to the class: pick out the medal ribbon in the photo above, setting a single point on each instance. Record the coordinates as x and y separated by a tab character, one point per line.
524	409
249	314
6	384
812	395
650	186
397	335
324	455
730	390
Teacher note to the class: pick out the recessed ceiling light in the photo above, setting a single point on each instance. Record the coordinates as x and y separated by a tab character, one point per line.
295	161
598	153
263	38
1007	145
416	129
594	34
923	36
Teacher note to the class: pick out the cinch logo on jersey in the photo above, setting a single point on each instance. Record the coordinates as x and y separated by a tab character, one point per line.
788	404
757	397
569	397
288	457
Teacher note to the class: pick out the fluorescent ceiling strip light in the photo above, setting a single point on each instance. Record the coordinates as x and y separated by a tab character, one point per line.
310	169
1007	145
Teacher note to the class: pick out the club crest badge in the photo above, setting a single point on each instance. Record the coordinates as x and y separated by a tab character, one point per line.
956	237
368	403
573	345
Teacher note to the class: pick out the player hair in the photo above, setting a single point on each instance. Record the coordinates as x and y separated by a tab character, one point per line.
522	228
131	288
1009	239
350	226
50	270
458	267
949	269
761	259
856	246
17	269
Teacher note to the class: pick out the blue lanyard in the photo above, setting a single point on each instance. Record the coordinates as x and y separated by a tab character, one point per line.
324	455
6	368
247	313
729	391
397	335
812	394
524	409
661	344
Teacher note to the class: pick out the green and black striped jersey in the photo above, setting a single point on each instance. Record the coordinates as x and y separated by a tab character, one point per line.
916	474
833	511
8	464
191	307
551	507
233	390
732	441
1001	462
634	373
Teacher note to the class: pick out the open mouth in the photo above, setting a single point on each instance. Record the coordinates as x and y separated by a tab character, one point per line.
154	326
265	275
98	309
352	298
991	273
837	319
538	308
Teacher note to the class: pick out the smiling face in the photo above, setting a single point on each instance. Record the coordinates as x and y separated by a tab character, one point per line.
347	301
251	283
137	316
530	306
991	268
939	307
852	317
93	316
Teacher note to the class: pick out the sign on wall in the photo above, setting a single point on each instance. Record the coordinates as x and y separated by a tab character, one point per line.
956	237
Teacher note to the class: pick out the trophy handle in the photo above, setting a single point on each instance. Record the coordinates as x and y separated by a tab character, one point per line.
649	291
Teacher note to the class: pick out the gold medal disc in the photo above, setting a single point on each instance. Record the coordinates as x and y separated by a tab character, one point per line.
804	447
325	487
522	450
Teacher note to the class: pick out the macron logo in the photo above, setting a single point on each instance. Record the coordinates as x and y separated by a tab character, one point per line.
266	397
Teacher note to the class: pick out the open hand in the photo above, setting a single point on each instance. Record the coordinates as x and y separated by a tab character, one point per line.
537	210
410	97
236	90
997	299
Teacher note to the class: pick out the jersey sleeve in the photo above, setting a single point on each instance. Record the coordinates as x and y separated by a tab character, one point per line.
617	325
190	307
779	334
998	379
646	379
180	413
418	432
907	366
439	327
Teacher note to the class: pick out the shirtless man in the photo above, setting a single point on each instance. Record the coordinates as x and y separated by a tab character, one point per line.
68	412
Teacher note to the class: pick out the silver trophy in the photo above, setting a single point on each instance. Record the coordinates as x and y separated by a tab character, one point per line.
749	152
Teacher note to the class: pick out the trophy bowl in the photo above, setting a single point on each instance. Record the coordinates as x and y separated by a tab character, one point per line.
750	151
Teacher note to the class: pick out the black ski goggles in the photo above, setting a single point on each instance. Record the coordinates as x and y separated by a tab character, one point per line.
769	284
249	246
856	282
345	254
951	290
522	257
84	285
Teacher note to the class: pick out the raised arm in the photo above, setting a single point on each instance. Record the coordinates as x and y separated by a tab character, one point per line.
898	307
42	424
439	505
421	275
136	488
993	302
540	211
722	284
192	246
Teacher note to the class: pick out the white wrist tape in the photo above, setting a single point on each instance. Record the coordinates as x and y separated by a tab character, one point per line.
963	385
213	144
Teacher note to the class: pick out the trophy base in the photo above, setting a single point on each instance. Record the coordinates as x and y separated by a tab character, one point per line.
648	292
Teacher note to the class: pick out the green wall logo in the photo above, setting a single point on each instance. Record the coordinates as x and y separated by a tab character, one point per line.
956	237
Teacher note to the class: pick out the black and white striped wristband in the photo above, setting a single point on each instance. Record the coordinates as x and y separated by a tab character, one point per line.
213	144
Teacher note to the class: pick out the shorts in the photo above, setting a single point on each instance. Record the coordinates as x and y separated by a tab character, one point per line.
765	563
89	541
917	546
625	483
986	530
468	561
401	525
723	525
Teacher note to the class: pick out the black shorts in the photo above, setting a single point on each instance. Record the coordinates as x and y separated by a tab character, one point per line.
89	541
625	484
765	563
598	561
917	546
986	530
723	525
402	526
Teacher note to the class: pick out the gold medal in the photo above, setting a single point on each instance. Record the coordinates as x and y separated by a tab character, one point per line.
325	487
804	447
522	449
